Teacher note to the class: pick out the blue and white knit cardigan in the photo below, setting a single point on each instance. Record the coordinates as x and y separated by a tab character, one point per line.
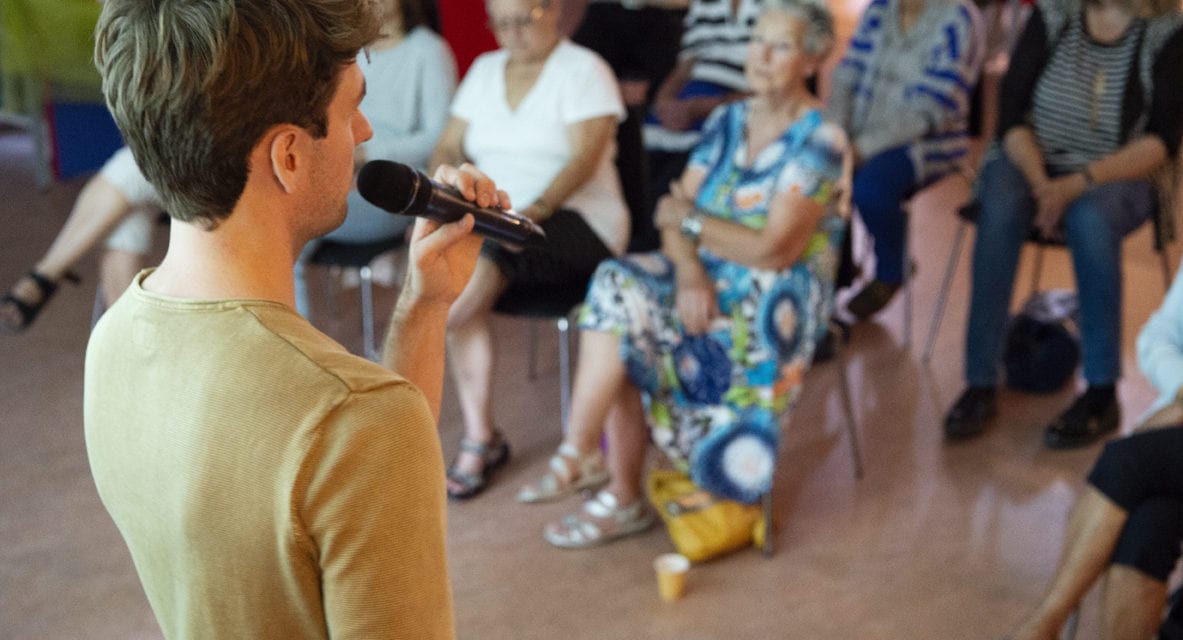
934	112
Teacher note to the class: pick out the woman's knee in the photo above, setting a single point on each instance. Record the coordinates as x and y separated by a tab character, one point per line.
883	183
1096	222
1005	200
1124	472
1149	541
475	303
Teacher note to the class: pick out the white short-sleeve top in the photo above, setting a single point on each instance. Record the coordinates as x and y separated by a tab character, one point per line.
522	150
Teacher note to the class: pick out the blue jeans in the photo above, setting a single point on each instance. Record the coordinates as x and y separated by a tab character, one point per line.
1094	225
881	185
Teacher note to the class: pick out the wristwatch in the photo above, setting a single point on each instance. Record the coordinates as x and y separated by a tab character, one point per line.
692	226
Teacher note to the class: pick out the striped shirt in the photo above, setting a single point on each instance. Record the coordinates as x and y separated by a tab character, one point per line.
718	40
1078	99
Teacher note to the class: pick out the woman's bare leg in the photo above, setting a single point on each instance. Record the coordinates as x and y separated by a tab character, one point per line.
1093	530
117	268
1133	604
599	380
628	441
99	207
472	354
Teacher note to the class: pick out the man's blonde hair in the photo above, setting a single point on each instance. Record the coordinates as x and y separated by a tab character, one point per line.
194	84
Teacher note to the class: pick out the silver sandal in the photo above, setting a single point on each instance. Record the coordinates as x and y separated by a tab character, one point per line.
569	473
601	520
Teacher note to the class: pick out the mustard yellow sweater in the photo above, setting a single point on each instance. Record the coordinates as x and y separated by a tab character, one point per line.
268	483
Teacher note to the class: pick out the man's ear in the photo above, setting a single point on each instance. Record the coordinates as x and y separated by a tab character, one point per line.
288	156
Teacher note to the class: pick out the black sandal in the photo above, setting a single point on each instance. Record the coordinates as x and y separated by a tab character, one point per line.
28	311
494	454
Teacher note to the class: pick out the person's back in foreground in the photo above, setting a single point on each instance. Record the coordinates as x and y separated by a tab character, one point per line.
268	483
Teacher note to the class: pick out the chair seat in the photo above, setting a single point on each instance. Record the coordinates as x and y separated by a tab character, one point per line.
541	301
358	256
350	254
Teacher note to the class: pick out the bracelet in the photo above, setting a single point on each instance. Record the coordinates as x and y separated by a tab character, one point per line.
1089	181
547	207
691	226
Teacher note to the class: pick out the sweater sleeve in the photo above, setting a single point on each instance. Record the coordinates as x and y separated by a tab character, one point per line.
1160	343
1166	105
937	99
1026	65
374	511
853	66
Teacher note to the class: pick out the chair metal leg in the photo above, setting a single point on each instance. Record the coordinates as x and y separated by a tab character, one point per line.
1070	626
909	277
35	97
1166	268
1036	270
943	298
564	369
531	366
100	306
908	314
766	502
851	420
366	276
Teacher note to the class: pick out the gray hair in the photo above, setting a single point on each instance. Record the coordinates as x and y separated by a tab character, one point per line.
195	84
818	38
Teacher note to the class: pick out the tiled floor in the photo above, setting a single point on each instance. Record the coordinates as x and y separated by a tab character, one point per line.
936	541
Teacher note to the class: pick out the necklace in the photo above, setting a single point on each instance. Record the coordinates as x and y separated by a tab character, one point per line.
1098	93
1113	28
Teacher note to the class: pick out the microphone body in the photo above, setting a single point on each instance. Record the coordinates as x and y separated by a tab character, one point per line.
401	189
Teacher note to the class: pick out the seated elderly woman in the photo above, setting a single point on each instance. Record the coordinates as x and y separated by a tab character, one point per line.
708	339
1084	121
410	77
1128	522
902	92
538	116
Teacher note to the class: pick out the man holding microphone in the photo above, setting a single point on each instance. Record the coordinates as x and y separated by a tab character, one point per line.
268	483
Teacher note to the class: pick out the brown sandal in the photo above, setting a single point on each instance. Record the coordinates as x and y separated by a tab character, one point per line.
493	454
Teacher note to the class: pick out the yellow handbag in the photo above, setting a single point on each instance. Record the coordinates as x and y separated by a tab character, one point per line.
701	525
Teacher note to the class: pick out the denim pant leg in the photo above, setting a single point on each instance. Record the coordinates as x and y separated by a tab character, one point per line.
880	187
1007	208
1094	226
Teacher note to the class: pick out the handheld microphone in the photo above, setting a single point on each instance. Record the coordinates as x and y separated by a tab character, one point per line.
398	188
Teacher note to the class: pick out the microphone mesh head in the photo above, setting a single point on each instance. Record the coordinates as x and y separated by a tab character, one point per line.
386	184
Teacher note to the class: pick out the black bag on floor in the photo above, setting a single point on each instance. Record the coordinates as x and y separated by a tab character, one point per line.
1042	347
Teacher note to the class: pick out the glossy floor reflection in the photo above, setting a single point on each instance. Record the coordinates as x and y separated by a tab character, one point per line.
936	541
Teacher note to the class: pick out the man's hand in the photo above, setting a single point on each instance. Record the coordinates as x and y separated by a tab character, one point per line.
442	257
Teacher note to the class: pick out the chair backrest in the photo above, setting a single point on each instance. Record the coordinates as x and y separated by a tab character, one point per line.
350	254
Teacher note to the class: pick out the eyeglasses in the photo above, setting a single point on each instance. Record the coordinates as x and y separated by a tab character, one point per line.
519	22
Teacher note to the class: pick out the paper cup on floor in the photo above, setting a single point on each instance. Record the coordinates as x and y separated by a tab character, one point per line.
671	571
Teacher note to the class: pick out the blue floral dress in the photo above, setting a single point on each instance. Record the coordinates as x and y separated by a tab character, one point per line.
713	401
